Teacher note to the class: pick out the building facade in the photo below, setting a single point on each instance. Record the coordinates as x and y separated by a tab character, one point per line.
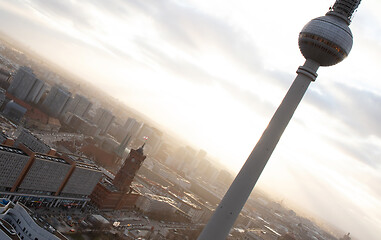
152	138
79	105
26	86
56	100
51	179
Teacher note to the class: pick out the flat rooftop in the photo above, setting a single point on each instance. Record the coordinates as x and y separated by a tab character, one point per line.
51	158
12	150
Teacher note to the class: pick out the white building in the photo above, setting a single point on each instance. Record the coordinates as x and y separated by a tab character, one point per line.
21	222
150	203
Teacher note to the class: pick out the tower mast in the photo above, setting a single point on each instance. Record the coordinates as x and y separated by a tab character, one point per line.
324	41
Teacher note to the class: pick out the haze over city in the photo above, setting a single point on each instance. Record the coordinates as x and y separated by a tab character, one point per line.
213	73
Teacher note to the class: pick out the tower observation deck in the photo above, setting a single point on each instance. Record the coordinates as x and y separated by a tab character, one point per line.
324	41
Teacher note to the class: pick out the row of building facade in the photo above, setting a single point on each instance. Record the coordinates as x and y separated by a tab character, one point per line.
42	175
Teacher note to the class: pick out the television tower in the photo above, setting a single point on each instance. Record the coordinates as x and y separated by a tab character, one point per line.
324	41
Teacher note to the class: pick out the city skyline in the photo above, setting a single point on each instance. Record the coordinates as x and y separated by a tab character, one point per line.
161	62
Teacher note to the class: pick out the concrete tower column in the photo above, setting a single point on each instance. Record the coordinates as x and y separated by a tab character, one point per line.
324	41
235	198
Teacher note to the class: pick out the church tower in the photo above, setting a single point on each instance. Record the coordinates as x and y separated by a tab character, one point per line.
126	173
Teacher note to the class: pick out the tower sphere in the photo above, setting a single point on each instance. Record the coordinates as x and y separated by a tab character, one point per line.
327	40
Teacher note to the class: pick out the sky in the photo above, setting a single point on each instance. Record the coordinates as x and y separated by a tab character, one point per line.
214	72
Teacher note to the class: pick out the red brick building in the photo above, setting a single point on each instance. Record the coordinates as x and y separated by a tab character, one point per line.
117	193
101	157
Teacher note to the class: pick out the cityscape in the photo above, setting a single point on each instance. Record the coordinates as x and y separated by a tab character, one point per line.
77	162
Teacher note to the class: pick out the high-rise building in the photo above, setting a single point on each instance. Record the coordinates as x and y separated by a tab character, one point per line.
122	147
81	125
56	100
201	155
185	157
126	133
79	105
26	86
103	119
151	136
132	127
224	178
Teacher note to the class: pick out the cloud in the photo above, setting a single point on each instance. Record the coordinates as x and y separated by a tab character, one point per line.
357	108
192	30
363	151
64	10
186	70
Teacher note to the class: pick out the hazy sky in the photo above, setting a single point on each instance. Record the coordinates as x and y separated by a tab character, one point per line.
214	72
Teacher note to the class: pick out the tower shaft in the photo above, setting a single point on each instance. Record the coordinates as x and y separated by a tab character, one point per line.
231	205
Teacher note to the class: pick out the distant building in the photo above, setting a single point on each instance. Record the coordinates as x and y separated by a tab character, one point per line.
201	155
35	118
81	125
151	136
16	222
117	193
132	127
120	150
32	142
346	237
103	119
184	158
53	125
79	105
56	100
109	144
26	86
207	170
224	177
14	111
4	77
